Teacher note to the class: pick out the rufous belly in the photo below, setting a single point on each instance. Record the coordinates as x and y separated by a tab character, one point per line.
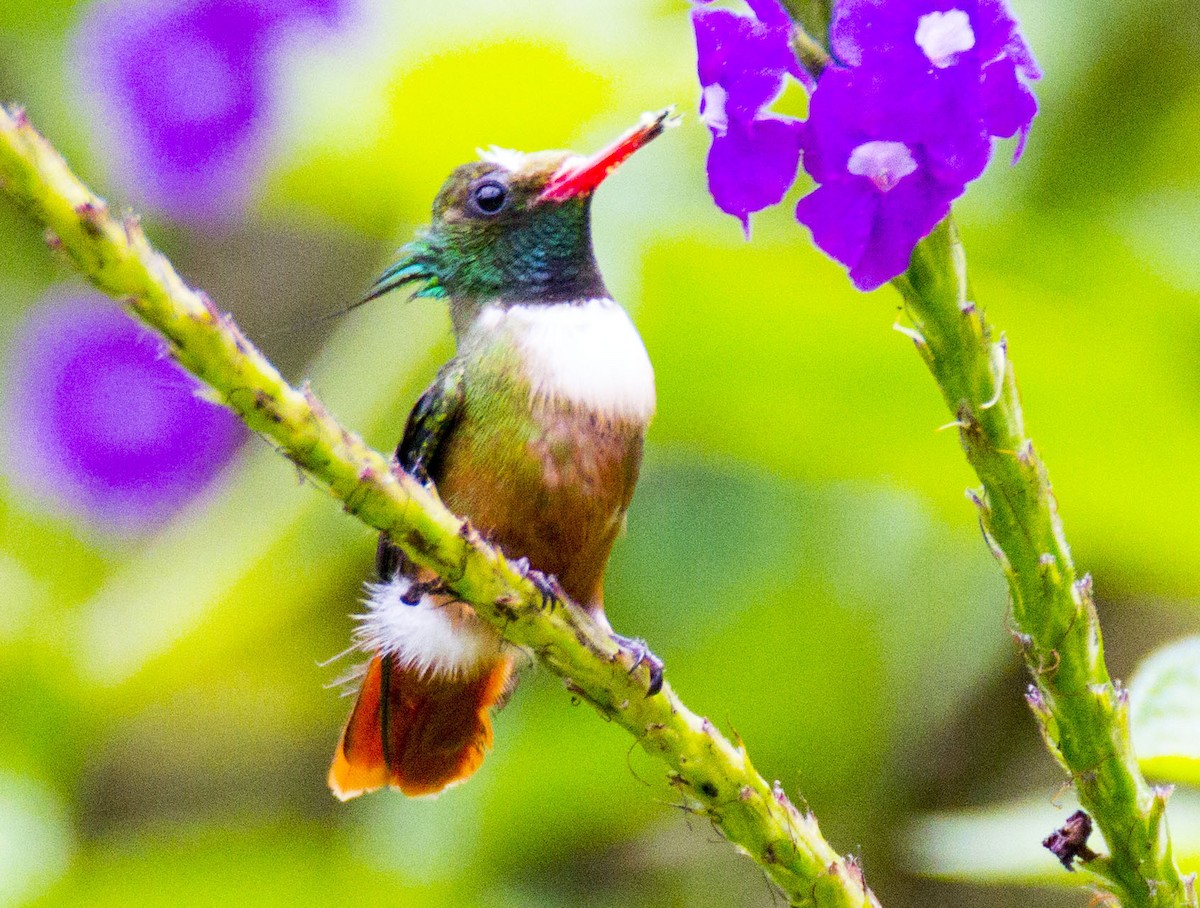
555	492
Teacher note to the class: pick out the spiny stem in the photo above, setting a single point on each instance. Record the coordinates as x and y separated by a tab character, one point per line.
1083	715
713	776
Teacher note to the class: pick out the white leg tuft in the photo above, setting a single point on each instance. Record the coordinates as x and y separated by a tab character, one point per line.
436	636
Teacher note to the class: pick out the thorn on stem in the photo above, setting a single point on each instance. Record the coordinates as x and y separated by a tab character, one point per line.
1035	699
314	402
1082	589
999	358
1158	807
854	870
1070	841
230	327
1122	694
209	306
912	334
134	235
1025	453
779	794
91	217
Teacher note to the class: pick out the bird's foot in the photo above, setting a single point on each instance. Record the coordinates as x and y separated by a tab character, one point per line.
639	654
419	589
547	585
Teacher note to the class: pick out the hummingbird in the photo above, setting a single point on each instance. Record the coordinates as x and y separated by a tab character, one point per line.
533	431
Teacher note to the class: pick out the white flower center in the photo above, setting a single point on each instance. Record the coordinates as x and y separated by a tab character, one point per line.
712	108
942	36
883	163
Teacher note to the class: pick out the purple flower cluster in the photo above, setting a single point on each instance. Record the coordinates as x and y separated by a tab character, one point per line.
900	121
186	86
100	420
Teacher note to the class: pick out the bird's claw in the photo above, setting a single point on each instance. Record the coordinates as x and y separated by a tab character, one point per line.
547	585
640	654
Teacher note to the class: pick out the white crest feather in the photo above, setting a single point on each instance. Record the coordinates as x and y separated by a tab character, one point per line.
510	160
434	636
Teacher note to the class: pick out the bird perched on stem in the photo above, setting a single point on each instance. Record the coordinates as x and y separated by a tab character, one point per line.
533	431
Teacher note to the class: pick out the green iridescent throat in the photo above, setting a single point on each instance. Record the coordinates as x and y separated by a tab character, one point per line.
542	254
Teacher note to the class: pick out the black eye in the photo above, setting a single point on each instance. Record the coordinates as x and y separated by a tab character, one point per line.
490	196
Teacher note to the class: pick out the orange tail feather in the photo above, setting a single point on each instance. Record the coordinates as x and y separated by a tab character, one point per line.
416	732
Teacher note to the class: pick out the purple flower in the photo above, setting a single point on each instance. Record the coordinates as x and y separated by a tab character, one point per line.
186	88
975	41
904	121
102	422
743	63
899	123
887	163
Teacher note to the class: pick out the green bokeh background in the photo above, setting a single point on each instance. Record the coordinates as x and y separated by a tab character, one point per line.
799	551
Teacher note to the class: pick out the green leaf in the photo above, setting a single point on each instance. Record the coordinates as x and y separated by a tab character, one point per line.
1165	712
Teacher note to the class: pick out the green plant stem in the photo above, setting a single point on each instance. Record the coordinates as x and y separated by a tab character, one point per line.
813	17
810	33
713	776
1083	715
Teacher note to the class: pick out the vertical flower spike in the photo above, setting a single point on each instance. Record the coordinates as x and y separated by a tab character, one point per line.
185	85
743	63
102	423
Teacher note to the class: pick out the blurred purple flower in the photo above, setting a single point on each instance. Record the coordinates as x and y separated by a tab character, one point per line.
743	63
101	421
187	88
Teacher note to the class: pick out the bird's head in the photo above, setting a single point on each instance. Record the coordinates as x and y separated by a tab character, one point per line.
515	227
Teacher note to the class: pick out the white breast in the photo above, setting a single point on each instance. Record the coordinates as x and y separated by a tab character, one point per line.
587	354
